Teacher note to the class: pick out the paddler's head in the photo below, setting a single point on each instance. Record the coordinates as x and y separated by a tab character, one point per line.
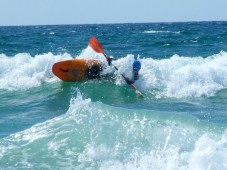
136	66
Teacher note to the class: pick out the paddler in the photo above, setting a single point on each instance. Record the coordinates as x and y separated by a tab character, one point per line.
136	66
135	73
96	46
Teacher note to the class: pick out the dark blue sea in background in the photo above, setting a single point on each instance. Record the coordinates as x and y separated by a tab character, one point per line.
180	123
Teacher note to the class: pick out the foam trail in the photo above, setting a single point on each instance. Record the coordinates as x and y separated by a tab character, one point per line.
161	32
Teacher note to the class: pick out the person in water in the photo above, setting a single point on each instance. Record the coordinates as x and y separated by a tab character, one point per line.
135	73
94	71
136	68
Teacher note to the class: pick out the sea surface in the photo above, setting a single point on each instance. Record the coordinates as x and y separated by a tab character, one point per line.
179	124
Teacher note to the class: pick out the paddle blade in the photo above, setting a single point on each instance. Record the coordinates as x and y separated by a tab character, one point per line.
95	45
136	90
139	93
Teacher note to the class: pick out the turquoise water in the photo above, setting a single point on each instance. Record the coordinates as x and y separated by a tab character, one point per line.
179	124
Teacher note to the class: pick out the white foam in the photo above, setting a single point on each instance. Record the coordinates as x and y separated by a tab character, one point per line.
23	71
97	136
177	76
90	54
207	154
185	76
157	32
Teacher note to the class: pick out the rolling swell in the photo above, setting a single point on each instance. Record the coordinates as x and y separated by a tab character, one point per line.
95	135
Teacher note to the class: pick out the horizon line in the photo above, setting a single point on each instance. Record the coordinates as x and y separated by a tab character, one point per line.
163	22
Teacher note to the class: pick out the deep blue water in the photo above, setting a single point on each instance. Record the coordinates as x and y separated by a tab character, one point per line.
179	124
158	40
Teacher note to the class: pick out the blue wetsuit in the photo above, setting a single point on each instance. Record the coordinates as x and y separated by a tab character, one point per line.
136	67
133	80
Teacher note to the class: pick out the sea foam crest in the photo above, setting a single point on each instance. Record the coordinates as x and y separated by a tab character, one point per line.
23	71
178	76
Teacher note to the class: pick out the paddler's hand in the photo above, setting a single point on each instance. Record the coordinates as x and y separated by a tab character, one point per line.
127	80
109	59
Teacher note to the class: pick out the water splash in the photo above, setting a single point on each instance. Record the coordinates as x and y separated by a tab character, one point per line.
176	76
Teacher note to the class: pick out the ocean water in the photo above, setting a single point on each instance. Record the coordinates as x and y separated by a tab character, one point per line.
181	123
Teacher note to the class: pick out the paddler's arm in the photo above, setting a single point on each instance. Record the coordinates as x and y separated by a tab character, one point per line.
109	59
130	82
137	91
127	80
